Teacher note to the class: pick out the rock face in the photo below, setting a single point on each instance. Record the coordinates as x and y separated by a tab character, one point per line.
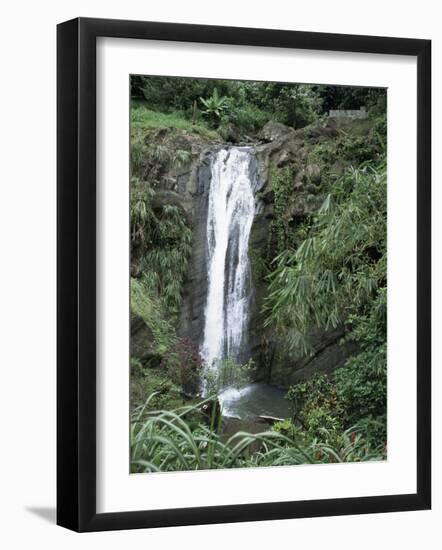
328	354
284	147
231	133
188	186
183	185
274	131
191	322
141	342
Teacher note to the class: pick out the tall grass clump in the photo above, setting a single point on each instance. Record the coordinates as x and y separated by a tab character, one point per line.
181	440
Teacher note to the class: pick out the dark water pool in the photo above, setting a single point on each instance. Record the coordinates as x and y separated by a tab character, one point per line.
254	400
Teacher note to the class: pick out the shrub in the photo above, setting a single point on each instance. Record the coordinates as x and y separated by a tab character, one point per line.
353	399
317	405
248	118
362	384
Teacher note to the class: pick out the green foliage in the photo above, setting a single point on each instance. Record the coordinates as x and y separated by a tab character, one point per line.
322	153
165	262
247	117
354	398
248	105
282	187
165	440
317	406
146	381
340	267
336	276
137	153
328	272
374	430
142	216
362	383
144	118
297	105
169	94
214	107
165	238
162	237
285	427
258	264
146	302
351	97
356	395
182	157
358	150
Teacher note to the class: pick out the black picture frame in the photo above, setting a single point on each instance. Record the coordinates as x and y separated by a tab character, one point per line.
76	274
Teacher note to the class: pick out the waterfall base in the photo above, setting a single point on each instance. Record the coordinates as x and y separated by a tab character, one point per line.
254	401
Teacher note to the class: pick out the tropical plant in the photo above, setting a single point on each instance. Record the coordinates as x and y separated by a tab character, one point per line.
165	262
339	269
182	156
336	277
214	107
250	104
171	441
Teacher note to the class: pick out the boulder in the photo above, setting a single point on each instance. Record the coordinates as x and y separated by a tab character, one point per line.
230	133
313	173
283	159
300	178
329	353
273	131
142	342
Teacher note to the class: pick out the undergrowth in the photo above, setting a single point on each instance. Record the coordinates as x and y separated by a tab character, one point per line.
166	440
142	117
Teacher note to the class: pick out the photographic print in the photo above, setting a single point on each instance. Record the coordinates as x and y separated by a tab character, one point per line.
222	292
258	274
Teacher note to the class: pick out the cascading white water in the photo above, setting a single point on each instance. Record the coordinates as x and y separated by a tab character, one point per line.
230	215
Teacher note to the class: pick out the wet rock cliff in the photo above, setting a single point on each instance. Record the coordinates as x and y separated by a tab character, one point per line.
311	154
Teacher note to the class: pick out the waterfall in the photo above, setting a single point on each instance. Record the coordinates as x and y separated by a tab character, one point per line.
231	208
